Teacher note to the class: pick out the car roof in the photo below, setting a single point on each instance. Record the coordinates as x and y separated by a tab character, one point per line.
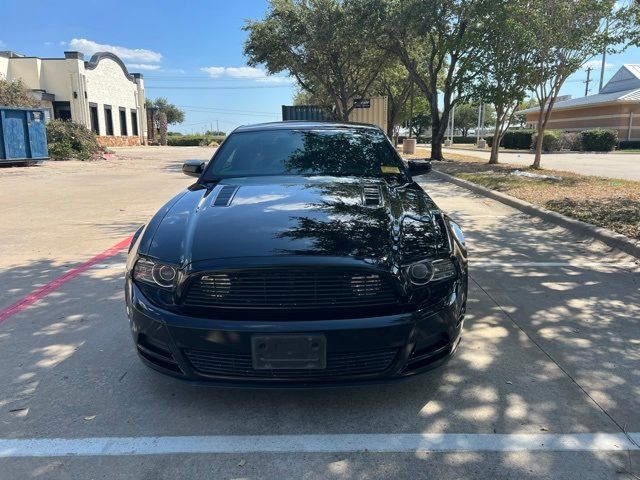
303	125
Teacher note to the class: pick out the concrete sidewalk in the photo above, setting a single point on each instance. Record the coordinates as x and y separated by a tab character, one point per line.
612	165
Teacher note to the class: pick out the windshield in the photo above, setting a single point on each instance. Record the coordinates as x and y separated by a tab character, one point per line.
333	152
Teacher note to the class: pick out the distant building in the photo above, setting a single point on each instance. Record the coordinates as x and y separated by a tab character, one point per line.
616	107
100	94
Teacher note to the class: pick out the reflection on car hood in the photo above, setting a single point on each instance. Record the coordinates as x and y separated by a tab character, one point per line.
273	216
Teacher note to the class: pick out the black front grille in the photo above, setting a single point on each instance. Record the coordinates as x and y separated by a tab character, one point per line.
291	288
338	364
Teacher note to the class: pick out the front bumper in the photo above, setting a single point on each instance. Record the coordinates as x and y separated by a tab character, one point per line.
359	350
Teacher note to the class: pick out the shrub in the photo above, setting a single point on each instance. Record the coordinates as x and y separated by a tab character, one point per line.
192	140
514	139
550	141
70	140
463	139
599	140
629	144
571	141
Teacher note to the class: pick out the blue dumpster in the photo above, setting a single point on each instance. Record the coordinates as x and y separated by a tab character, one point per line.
23	137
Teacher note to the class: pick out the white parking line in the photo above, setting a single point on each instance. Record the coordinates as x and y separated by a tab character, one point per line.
339	443
489	264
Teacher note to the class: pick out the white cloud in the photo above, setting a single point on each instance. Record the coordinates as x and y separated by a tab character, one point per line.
90	47
142	66
597	64
246	73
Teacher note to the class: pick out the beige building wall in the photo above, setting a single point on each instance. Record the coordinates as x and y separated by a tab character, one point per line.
375	114
102	81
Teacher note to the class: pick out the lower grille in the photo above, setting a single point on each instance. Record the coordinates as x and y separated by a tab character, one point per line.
338	364
290	288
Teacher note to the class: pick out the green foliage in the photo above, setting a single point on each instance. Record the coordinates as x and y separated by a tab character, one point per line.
319	42
193	140
568	33
599	140
162	105
70	140
571	141
466	116
550	140
463	139
440	42
215	133
629	145
514	139
174	134
15	94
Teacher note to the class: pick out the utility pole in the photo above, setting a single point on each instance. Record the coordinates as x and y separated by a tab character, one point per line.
604	59
453	116
587	81
479	120
217	126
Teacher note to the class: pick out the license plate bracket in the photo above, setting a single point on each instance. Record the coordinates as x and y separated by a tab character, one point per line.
299	352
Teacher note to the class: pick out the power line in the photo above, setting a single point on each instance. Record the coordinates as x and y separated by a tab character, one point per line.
248	87
227	110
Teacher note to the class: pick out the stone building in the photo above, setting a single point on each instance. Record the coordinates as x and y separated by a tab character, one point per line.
100	93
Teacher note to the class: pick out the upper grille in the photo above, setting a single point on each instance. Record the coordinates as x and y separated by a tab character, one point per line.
290	288
338	364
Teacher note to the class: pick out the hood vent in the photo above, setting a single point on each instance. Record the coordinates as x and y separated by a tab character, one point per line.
371	195
225	195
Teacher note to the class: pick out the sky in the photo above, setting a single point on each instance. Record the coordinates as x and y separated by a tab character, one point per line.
190	52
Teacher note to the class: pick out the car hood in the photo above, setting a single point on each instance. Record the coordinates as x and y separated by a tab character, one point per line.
361	218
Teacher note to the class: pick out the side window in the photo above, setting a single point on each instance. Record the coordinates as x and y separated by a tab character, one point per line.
108	120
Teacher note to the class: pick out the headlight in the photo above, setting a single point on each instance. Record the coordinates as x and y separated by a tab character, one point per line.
155	273
457	232
422	273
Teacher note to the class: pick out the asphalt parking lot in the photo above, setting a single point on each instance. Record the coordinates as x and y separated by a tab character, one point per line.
546	383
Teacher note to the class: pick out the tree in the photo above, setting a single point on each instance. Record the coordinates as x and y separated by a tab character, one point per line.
395	83
164	114
320	44
440	44
15	94
506	73
466	117
567	34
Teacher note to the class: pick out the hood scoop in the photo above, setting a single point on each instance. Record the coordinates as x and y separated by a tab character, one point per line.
225	195
371	195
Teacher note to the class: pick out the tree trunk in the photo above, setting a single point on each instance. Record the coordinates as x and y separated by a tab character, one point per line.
537	158
163	128
495	146
540	127
436	141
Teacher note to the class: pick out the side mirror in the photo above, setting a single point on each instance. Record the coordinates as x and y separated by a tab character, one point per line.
419	167
193	168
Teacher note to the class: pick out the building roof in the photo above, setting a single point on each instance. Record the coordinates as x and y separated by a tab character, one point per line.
623	87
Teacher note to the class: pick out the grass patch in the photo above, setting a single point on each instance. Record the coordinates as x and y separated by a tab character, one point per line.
609	203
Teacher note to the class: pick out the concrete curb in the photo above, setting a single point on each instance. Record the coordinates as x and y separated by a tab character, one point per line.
612	239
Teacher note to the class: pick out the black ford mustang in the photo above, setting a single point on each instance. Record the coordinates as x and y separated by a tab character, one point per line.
304	255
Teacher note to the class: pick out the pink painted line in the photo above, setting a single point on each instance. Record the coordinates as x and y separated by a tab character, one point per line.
56	283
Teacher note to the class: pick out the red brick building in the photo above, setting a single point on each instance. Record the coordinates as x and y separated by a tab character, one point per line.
616	107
